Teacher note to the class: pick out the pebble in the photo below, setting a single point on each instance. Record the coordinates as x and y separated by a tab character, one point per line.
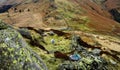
52	41
113	62
96	51
75	57
7	39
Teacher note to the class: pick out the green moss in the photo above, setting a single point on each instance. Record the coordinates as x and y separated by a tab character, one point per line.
66	9
68	12
87	60
15	61
61	44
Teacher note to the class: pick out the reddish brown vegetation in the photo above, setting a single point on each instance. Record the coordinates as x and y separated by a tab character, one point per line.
58	54
100	19
112	4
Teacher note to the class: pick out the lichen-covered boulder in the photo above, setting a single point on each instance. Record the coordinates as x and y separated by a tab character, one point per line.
15	53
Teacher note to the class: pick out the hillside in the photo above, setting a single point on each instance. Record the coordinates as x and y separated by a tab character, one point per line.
78	14
58	29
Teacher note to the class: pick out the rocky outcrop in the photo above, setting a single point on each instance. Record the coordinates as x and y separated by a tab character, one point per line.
5	8
15	53
116	14
88	61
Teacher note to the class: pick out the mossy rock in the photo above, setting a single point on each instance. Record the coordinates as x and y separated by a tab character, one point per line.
15	53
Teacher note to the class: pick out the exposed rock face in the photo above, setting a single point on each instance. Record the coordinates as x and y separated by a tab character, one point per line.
15	53
116	14
6	4
5	8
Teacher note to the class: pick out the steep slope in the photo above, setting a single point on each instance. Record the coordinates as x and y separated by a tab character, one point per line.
16	15
57	29
69	14
7	4
112	4
113	7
